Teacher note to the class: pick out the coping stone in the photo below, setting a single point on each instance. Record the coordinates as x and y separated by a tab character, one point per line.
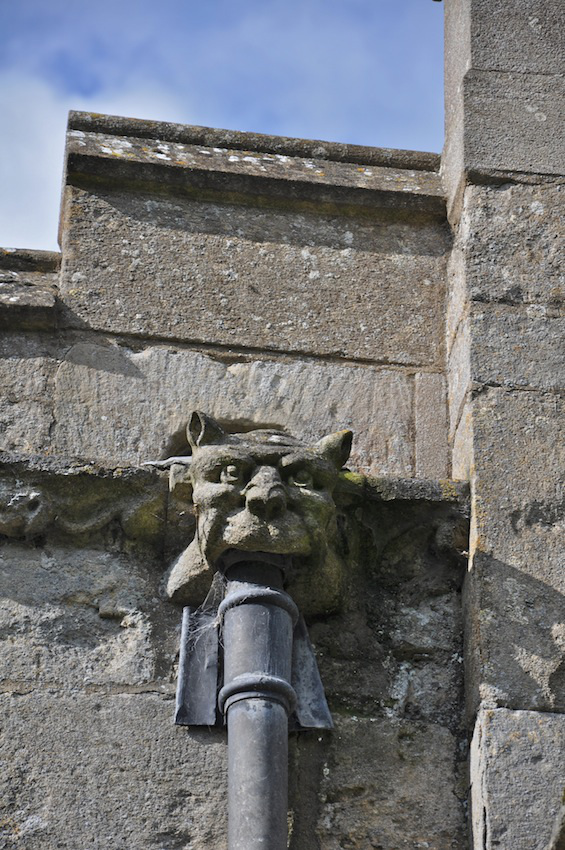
90	122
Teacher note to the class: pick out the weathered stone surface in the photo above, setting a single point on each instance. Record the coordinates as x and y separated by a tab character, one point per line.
401	616
27	303
456	62
430	412
27	370
125	406
29	261
408	665
517	347
557	841
519	458
363	805
72	618
520	264
116	125
106	771
504	92
459	373
515	635
517	778
521	36
457	304
517	584
530	107
391	665
254	277
125	776
462	446
58	500
275	176
28	289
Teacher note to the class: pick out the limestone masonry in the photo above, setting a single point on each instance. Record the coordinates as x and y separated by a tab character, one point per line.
301	287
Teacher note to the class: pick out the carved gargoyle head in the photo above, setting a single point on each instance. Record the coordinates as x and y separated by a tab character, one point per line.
263	491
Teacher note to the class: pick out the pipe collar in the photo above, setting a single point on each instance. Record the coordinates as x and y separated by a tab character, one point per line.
257	686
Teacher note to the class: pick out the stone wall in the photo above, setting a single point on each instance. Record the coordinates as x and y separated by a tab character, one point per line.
269	283
308	287
503	167
89	649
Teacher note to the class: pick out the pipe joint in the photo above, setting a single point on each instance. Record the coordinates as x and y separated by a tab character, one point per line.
259	595
257	686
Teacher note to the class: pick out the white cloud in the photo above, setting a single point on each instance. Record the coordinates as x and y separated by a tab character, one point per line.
32	149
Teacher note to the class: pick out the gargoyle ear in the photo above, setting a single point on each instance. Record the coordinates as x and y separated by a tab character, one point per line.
335	447
202	430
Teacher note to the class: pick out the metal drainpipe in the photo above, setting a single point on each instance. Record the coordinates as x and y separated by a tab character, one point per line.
257	698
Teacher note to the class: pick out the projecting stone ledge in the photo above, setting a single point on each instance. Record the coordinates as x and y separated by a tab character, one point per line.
65	498
200	161
28	288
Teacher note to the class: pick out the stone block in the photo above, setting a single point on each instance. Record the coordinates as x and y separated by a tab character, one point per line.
515	634
512	122
520	264
254	277
403	180
517	35
519	460
127	407
504	91
430	411
457	19
28	289
27	370
376	789
29	304
84	617
517	778
516	587
104	771
517	347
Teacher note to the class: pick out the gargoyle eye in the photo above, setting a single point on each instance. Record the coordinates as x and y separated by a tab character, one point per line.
230	474
301	478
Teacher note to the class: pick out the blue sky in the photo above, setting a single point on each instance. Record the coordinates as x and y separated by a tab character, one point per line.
361	71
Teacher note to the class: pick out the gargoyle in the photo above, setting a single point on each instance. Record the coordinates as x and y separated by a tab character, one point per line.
263	491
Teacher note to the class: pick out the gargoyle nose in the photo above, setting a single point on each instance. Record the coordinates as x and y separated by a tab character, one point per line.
264	495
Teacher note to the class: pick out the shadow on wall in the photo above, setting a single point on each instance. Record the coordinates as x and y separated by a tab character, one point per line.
377	231
526	670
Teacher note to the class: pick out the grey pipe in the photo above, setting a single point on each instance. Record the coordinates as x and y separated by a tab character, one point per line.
257	698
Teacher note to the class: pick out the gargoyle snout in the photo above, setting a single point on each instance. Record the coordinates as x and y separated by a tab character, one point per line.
265	495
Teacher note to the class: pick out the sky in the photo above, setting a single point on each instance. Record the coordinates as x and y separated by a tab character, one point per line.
361	71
